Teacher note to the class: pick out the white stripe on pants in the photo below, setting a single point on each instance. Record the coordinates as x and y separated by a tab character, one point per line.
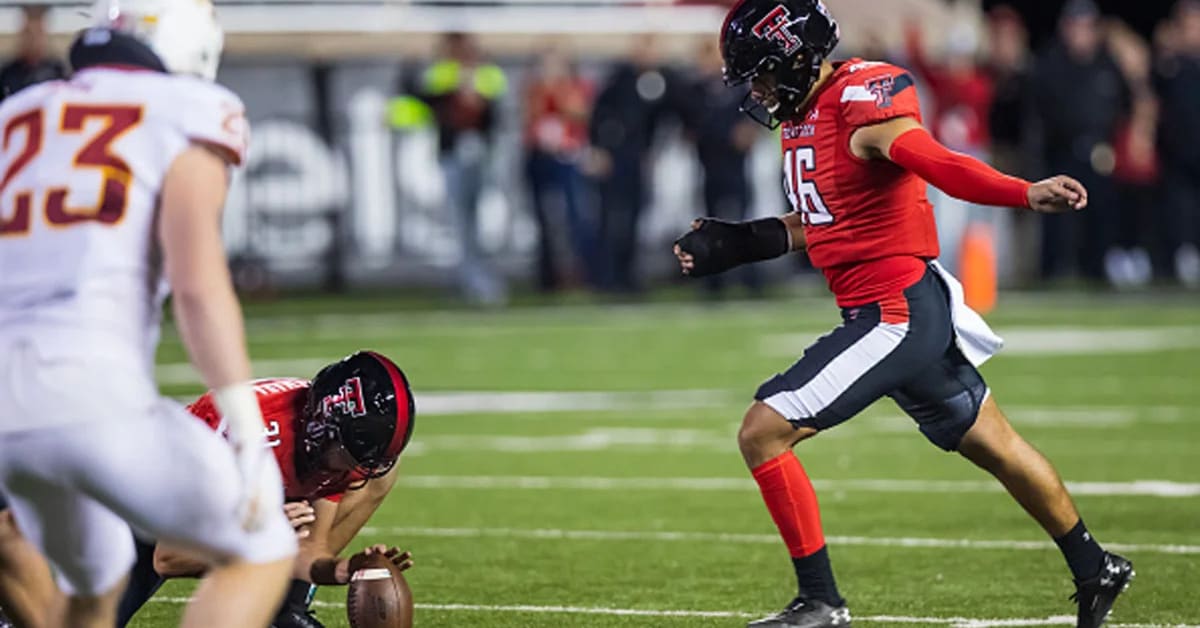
839	374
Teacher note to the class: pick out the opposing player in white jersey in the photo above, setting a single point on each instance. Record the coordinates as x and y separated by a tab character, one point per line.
110	183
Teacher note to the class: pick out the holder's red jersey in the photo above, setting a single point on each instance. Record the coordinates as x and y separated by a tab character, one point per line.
281	401
868	224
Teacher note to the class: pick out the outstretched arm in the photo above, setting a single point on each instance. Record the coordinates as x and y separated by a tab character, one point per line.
906	143
356	508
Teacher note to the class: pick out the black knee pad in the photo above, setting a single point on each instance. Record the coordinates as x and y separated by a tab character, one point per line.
946	417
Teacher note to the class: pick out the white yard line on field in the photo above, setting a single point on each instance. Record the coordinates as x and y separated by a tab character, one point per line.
468	402
1044	340
515	402
749	539
953	622
1148	488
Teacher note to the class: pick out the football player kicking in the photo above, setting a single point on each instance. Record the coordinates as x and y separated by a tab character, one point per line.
856	162
111	190
336	439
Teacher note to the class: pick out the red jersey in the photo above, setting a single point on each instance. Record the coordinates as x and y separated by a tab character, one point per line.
868	224
281	401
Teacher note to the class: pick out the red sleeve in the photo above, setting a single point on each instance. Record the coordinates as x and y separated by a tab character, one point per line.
879	94
957	174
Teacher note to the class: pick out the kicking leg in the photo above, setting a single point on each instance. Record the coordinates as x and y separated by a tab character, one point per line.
995	446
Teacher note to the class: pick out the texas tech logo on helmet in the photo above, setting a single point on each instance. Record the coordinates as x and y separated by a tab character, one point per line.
347	400
775	26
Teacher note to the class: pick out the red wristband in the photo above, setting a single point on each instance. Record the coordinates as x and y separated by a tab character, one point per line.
956	174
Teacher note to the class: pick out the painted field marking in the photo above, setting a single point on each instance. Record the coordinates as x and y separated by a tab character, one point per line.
630	430
510	402
953	622
748	539
515	402
1146	488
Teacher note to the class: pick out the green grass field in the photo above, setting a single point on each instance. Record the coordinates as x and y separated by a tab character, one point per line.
630	506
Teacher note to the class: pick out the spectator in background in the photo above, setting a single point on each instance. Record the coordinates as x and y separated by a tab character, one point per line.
962	97
557	108
723	136
1177	81
463	90
1008	66
874	46
962	90
33	63
1135	168
628	110
1078	98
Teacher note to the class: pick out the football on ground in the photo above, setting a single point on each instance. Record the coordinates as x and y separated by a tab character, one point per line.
378	596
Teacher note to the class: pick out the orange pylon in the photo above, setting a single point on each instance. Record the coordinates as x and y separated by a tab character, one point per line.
977	267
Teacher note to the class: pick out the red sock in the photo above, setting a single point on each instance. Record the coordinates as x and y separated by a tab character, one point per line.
792	502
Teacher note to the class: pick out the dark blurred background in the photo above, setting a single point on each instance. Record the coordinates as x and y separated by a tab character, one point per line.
559	146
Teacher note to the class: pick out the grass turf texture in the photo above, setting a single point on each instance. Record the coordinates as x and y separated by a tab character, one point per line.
1100	416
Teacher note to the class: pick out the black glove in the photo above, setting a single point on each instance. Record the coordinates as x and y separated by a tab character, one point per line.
718	245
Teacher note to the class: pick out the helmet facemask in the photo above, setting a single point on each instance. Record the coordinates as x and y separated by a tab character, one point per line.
321	460
778	90
328	440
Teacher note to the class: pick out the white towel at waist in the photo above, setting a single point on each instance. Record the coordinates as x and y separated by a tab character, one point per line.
975	339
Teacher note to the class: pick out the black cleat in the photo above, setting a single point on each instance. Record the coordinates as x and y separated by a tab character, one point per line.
1096	595
296	617
802	613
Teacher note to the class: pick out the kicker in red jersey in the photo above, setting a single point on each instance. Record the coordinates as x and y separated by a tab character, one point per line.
281	401
868	224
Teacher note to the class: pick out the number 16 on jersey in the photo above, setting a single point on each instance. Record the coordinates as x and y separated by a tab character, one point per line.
803	194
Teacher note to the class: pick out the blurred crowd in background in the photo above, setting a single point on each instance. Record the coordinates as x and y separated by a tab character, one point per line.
1117	109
